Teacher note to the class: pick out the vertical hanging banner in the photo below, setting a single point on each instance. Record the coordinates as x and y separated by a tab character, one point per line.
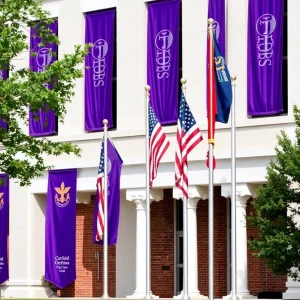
4	219
43	122
114	167
216	11
100	31
60	247
265	38
3	76
163	58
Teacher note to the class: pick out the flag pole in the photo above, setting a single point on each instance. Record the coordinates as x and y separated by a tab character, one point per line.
185	294
233	194
211	192
148	248
105	240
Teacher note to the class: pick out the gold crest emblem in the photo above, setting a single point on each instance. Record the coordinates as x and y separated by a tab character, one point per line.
62	197
1	200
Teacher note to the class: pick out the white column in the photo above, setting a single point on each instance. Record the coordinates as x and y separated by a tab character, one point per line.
139	198
243	193
195	194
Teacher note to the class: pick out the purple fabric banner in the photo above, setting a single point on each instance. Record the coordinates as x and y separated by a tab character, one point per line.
216	10
60	248
114	167
100	29
4	219
265	33
42	123
3	76
163	58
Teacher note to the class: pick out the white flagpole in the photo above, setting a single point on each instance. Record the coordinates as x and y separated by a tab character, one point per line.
148	247
185	294
233	194
211	207
105	241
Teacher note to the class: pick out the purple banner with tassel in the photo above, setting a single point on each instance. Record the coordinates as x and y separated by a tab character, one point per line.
163	58
60	247
216	11
4	222
265	43
43	122
100	29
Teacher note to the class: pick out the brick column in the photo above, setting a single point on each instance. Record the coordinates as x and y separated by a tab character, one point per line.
139	197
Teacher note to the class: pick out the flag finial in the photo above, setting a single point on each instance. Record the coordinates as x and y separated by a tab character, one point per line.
147	88
183	81
105	122
210	21
233	79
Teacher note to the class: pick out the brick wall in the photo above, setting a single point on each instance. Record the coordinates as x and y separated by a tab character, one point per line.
220	240
162	253
162	246
87	283
260	278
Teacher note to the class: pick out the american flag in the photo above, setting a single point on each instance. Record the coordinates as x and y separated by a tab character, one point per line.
188	137
158	144
100	189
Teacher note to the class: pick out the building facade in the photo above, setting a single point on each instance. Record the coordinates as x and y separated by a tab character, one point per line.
256	139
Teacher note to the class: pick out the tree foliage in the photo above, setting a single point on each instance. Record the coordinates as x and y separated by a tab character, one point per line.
277	208
22	156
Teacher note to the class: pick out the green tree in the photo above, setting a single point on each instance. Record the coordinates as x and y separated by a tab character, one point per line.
277	208
22	156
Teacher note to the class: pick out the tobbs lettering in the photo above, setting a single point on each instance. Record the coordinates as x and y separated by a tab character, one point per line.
1	261
62	260
99	52
163	43
265	26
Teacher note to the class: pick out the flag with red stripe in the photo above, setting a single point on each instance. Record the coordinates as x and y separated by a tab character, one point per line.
158	144
188	137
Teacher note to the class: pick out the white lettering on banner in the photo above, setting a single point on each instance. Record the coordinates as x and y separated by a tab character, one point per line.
62	263
99	52
43	59
2	263
265	26
163	43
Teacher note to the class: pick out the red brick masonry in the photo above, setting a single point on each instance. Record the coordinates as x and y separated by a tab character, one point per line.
162	253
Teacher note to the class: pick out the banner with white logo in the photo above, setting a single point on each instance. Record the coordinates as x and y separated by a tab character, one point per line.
60	247
265	38
100	29
4	228
43	122
216	11
163	58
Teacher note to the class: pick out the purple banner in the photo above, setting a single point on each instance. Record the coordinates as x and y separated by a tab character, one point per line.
43	122
100	29
3	76
114	167
60	248
4	219
163	58
216	10
265	38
